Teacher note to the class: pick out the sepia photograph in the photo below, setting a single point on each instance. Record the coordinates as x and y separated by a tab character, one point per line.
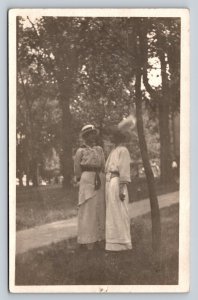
99	150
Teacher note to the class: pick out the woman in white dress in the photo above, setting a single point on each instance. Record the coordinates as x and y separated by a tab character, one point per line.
89	164
117	171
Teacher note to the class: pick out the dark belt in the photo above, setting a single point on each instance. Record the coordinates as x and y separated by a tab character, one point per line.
115	174
97	181
90	169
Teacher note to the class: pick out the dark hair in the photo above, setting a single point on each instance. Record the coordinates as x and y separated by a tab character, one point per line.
117	136
86	134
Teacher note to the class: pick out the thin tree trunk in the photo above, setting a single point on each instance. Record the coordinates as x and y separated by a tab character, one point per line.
174	69
67	161
28	178
164	103
67	148
35	174
29	125
21	180
155	213
176	130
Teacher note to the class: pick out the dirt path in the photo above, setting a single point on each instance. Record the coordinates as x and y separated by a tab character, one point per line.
61	230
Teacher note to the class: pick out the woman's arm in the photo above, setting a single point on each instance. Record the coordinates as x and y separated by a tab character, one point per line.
124	162
124	171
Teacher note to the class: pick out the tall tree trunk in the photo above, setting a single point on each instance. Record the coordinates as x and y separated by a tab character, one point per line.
176	130
29	124
172	135
21	179
35	173
27	161
173	52
164	103
155	213
28	178
67	160
165	156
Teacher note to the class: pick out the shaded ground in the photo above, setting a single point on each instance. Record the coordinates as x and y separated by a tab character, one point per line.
46	204
62	264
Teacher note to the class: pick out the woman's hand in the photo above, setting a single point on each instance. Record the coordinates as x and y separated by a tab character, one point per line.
121	191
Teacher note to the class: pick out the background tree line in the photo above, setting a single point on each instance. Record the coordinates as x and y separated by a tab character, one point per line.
72	71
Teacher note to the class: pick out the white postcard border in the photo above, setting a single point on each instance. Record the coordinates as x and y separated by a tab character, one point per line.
184	201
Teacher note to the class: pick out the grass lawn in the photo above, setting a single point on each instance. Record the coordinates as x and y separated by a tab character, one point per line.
36	206
45	204
64	264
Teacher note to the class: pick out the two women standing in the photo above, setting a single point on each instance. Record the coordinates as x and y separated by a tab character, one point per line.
103	205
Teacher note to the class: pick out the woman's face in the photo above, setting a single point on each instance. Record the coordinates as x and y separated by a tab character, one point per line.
90	138
116	138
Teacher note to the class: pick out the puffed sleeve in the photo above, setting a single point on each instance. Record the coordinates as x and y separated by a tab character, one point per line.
77	167
124	162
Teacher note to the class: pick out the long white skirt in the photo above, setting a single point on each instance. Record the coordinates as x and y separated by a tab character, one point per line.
91	211
118	235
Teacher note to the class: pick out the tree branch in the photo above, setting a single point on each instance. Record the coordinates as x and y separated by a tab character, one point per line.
33	26
144	56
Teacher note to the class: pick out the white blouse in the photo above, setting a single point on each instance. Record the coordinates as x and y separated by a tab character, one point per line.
119	160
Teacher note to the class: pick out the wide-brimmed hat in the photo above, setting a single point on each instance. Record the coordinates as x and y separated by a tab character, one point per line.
127	125
124	127
122	131
88	128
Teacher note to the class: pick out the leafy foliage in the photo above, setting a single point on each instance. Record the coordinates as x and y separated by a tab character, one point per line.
73	71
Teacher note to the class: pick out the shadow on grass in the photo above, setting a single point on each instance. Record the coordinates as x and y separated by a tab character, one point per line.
65	264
